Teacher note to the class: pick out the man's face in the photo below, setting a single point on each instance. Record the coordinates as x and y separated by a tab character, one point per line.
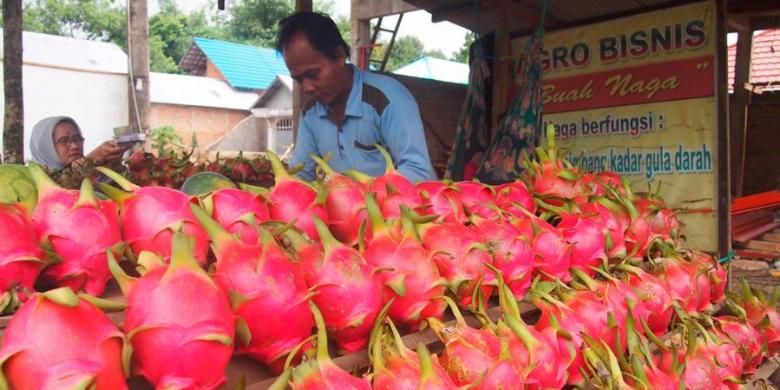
320	77
68	143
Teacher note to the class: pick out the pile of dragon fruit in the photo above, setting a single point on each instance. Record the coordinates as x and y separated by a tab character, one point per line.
274	273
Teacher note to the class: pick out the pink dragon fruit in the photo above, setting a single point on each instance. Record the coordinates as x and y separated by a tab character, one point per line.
552	253
512	253
176	315
79	228
460	257
292	199
470	354
412	279
321	372
511	197
397	367
587	241
149	217
745	337
478	199
652	291
58	340
267	292
344	203
238	212
21	258
441	200
391	189
338	274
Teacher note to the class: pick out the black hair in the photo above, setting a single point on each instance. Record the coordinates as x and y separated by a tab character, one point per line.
320	30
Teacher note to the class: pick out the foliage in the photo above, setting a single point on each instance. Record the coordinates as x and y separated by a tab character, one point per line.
163	137
462	55
103	20
406	50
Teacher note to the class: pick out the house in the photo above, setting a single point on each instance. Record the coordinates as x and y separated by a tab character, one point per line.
436	69
243	67
765	61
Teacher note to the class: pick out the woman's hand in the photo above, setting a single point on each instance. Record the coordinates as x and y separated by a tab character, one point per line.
107	152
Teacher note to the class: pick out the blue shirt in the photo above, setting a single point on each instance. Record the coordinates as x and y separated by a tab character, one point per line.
380	110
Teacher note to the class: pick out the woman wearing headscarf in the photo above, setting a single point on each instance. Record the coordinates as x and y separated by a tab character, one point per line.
57	143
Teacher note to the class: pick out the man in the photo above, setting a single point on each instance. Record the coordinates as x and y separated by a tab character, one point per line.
349	110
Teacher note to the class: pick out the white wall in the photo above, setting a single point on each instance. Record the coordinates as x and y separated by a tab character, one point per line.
97	101
282	98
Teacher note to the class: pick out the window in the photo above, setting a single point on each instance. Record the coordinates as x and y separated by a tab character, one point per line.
283	135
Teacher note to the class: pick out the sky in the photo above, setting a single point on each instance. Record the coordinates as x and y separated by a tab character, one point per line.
444	36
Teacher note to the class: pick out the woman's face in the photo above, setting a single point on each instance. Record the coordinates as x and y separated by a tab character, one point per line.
68	143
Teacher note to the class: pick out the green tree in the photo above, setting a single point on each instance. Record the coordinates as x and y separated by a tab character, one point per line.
462	55
436	53
406	49
103	20
255	22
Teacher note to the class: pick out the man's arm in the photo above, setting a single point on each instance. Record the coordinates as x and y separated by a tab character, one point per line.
403	134
305	145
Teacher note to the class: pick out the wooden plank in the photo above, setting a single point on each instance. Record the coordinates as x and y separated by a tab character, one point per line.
767	246
775	237
746	235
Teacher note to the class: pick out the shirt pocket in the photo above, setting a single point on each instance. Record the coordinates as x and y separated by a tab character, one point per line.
367	136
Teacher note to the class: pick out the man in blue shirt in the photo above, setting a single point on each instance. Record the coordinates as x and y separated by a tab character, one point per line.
349	110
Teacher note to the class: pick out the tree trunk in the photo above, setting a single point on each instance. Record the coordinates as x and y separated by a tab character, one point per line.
13	129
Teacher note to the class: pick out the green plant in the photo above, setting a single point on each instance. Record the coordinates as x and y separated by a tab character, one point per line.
164	136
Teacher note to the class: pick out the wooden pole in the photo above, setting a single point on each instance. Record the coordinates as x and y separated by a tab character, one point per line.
738	109
138	80
13	125
723	182
300	5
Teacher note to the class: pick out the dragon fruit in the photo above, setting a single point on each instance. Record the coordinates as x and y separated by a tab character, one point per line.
21	258
391	189
344	203
292	199
79	228
57	340
238	212
149	217
512	254
412	278
441	200
511	197
175	316
267	292
319	373
587	241
470	355
551	177
460	257
339	274
552	253
478	199
652	291
745	337
397	367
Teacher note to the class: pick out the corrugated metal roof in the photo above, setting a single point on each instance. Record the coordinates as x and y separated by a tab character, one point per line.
436	69
279	82
197	91
71	53
765	60
244	66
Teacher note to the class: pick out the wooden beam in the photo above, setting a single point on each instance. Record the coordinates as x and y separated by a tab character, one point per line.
138	81
723	181
370	9
297	92
738	106
441	13
739	23
754	7
501	75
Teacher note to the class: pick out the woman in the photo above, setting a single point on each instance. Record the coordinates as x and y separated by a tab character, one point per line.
57	143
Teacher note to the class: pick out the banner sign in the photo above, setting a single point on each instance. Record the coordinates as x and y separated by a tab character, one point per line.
636	96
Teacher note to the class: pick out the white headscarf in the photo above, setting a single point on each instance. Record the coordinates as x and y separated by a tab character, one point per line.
42	141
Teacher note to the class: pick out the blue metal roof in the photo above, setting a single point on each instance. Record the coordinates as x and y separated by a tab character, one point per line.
244	66
436	69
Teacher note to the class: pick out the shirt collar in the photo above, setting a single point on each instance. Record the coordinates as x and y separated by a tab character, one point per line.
354	101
